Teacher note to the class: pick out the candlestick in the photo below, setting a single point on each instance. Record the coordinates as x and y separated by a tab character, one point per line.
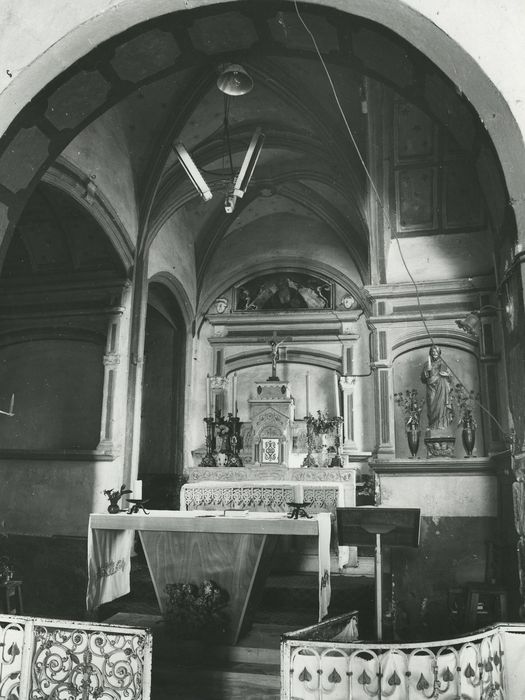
336	387
207	395
308	393
234	393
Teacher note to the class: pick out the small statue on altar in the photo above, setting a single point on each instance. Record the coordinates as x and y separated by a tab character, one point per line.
275	360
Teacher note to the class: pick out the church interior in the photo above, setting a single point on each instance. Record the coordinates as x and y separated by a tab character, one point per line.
256	254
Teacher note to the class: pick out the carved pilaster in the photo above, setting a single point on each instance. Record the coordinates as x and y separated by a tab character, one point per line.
348	388
385	424
115	384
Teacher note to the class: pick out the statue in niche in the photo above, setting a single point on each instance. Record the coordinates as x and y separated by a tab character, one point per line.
437	377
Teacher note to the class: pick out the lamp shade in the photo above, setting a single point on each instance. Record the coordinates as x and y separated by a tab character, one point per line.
234	80
470	324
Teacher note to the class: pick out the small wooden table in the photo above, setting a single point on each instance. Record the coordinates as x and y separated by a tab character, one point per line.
234	551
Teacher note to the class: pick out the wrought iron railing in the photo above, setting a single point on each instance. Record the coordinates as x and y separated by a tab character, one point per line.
42	658
483	666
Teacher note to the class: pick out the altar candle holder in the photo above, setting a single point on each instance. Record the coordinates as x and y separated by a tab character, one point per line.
336	459
234	459
309	460
209	460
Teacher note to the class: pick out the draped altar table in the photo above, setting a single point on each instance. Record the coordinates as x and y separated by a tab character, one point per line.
233	550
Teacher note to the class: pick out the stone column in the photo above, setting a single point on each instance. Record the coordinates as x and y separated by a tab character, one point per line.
113	420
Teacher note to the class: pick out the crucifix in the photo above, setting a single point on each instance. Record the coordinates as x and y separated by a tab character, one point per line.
275	356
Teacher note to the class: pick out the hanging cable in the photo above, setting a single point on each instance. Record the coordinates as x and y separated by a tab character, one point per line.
386	215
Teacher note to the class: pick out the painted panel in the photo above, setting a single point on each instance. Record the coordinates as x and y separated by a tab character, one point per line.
414	133
416	194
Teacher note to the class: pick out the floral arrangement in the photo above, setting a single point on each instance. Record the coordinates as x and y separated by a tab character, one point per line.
465	401
197	612
114	497
323	424
412	406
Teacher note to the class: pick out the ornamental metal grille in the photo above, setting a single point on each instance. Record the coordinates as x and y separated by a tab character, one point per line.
69	660
483	666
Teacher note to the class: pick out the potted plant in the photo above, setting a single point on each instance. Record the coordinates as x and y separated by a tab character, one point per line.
114	497
412	406
323	424
466	401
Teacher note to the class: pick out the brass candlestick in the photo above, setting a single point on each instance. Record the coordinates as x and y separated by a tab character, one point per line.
309	460
336	460
234	459
209	460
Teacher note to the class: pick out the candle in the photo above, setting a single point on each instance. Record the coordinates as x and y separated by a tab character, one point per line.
308	393
12	405
207	396
336	387
137	490
234	392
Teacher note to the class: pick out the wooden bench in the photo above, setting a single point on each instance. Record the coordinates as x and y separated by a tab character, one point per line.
59	658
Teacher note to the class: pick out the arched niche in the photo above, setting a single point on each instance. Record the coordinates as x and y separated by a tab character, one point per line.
409	360
162	424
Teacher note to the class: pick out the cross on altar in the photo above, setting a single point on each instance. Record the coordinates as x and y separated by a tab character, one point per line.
275	345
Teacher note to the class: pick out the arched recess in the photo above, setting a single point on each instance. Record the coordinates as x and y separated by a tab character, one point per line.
162	415
60	280
461	355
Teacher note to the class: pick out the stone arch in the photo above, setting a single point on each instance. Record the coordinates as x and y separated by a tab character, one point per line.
421	31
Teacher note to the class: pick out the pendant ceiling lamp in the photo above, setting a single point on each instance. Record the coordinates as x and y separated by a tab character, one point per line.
234	80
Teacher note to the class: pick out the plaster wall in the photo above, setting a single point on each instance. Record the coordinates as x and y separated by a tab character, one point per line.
172	251
448	256
441	495
28	498
37	44
276	239
58	394
102	152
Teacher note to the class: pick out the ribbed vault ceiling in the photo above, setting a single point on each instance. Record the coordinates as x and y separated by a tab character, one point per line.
162	88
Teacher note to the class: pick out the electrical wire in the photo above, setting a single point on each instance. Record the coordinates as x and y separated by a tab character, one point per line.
227	132
386	215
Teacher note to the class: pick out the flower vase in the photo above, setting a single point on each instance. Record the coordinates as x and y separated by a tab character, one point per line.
413	435
468	436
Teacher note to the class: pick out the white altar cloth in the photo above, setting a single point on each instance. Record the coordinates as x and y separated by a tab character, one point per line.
110	538
273	495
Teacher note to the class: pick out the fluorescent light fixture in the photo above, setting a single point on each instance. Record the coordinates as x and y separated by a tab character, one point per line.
192	171
249	163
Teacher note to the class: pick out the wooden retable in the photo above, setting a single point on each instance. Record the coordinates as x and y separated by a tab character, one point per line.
234	551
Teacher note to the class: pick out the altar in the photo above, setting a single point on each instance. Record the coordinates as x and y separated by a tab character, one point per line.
231	549
272	459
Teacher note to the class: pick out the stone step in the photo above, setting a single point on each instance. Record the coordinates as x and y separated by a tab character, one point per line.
240	683
259	646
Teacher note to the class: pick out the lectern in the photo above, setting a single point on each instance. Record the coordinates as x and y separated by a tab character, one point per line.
371	525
